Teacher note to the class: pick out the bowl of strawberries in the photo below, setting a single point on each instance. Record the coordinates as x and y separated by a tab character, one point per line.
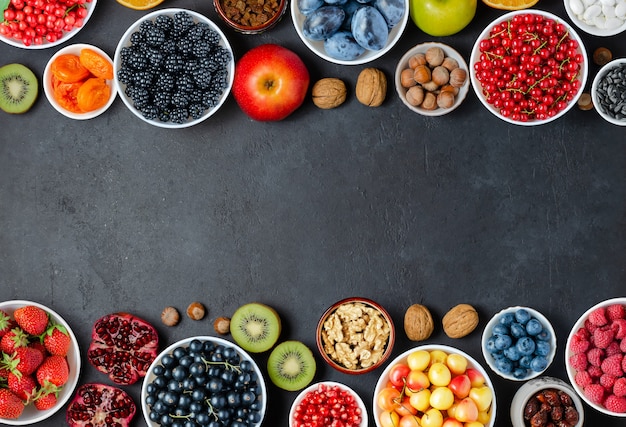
39	362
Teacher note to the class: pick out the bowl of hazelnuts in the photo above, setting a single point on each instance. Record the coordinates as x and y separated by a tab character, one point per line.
432	79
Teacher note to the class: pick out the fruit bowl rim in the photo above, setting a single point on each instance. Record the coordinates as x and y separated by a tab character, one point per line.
487	332
472	363
404	63
591	29
390	341
314	386
594	89
184	342
73	358
47	82
125	41
317	47
571	372
475	54
66	35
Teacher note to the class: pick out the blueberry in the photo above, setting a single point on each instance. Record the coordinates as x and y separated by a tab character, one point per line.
504	365
524	361
501	329
539	363
369	28
491	344
512	353
517	330
544	335
522	316
507	319
534	327
525	345
542	348
503	341
520	373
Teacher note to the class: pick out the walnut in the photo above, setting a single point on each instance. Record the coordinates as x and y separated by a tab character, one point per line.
418	323
371	87
329	93
460	321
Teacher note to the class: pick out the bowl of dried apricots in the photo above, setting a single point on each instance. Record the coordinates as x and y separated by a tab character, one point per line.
78	81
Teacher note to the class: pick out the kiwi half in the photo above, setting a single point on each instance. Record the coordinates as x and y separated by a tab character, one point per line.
291	365
18	88
255	327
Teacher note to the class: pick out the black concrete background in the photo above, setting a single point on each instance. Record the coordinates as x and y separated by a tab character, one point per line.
112	214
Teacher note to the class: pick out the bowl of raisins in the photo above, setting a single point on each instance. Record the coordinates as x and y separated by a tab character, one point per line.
250	17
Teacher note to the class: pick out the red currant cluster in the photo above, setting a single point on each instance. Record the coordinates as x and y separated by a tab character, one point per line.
36	21
529	67
328	405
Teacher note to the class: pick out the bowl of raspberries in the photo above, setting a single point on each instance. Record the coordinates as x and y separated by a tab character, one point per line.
595	357
174	68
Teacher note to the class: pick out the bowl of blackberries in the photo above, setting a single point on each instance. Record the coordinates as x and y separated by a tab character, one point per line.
204	380
174	68
519	343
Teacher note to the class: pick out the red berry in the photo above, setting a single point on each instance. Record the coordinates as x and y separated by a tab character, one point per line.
616	311
578	361
615	404
618	326
11	406
603	337
612	365
598	317
57	341
595	356
54	370
619	388
595	393
31	319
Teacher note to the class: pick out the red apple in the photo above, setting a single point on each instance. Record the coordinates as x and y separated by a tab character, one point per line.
270	83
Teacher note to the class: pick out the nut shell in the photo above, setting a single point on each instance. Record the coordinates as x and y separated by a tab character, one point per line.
222	325
329	93
371	87
460	321
196	311
170	316
418	323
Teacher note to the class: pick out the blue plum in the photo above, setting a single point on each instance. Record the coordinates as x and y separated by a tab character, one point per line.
349	8
392	10
342	45
308	6
369	28
323	22
336	2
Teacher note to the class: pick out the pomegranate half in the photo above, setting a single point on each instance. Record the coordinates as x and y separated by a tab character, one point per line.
100	405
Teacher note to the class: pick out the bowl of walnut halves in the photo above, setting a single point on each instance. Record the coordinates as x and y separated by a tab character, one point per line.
355	335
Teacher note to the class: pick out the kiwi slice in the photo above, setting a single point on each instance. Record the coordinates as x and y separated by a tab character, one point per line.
18	88
255	327
291	365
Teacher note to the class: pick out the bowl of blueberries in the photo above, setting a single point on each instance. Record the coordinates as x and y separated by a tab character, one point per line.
204	380
519	343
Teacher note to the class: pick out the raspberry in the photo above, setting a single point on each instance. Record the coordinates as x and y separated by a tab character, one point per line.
598	317
612	365
579	344
602	338
615	404
612	349
595	371
595	393
590	327
618	326
616	311
619	388
583	379
622	345
578	361
595	356
607	381
582	332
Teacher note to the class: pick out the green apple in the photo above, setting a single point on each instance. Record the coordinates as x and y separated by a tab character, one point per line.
442	17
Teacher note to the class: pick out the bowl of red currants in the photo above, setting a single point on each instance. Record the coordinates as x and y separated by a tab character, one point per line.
328	403
204	380
528	67
40	24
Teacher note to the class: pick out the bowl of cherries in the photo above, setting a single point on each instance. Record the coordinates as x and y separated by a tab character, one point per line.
528	67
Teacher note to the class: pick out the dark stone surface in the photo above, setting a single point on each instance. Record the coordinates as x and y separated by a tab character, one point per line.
112	214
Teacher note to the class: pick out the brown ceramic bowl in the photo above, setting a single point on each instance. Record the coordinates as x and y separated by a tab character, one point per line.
372	326
247	21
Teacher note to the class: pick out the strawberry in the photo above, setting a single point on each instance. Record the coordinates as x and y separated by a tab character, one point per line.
4	373
6	323
615	404
13	339
45	401
31	319
56	340
11	406
22	386
24	360
53	370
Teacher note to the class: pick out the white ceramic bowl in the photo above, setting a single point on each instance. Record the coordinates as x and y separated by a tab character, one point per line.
49	91
383	380
571	372
621	62
595	30
534	386
66	35
298	400
31	415
488	332
150	376
125	41
475	57
317	47
404	64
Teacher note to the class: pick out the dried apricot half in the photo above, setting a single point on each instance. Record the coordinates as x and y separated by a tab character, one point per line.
66	94
93	94
97	64
68	69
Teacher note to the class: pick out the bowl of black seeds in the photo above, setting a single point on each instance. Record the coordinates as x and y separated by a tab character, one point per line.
608	92
174	68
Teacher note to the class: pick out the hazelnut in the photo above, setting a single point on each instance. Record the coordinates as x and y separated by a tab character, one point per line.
449	88
170	316
371	87
415	95
422	74
585	102
602	56
417	59
445	99
430	86
406	78
434	56
222	325
329	93
195	311
440	75
430	101
450	63
458	77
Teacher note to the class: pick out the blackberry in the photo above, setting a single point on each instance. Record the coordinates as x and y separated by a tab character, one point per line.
184	47
210	35
141	98
210	98
164	114
165	23
182	23
154	37
137	61
195	33
222	55
150	112
201	49
130	91
164	82
185	83
143	79
180	99
195	97
196	111
162	99
190	66
202	77
169	47
173	64
154	57
124	75
146	26
125	53
136	38
179	115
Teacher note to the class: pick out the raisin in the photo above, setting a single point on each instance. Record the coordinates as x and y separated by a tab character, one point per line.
556	413
566	399
571	415
551	397
531	408
539	419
